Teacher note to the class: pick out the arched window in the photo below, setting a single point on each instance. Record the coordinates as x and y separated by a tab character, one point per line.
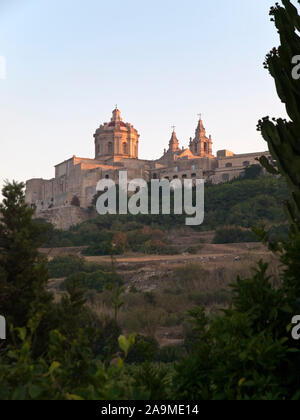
184	176
125	148
246	163
194	175
228	165
205	147
110	148
225	177
155	176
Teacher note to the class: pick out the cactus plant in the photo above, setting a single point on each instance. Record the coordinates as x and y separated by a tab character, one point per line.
282	136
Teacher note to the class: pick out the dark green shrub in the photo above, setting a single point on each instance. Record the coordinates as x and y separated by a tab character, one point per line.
105	344
219	297
97	280
253	172
193	250
278	233
170	354
104	248
232	234
145	349
174	320
67	265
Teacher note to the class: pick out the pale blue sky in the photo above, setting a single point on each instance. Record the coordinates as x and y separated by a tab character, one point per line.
162	61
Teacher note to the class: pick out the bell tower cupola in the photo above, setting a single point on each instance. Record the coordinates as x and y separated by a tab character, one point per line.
201	145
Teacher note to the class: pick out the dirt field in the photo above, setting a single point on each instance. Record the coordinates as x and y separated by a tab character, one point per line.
209	252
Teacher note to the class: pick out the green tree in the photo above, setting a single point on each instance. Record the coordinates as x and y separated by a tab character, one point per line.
253	172
24	277
23	270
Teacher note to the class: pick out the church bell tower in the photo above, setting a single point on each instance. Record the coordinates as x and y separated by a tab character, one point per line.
201	145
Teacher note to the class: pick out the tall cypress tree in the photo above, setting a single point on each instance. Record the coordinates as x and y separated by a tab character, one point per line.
23	270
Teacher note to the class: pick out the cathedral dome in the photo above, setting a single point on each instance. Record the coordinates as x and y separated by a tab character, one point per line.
116	139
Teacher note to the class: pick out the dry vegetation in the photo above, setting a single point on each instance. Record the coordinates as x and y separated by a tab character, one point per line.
159	290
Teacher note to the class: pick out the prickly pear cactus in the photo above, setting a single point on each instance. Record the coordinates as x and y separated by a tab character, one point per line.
282	136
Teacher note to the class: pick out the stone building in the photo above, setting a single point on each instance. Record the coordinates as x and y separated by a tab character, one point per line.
65	198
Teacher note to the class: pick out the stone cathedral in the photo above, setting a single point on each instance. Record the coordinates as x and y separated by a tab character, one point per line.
64	200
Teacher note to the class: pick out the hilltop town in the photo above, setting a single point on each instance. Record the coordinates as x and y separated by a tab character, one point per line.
65	199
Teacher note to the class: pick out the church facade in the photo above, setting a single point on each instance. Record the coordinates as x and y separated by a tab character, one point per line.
116	149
